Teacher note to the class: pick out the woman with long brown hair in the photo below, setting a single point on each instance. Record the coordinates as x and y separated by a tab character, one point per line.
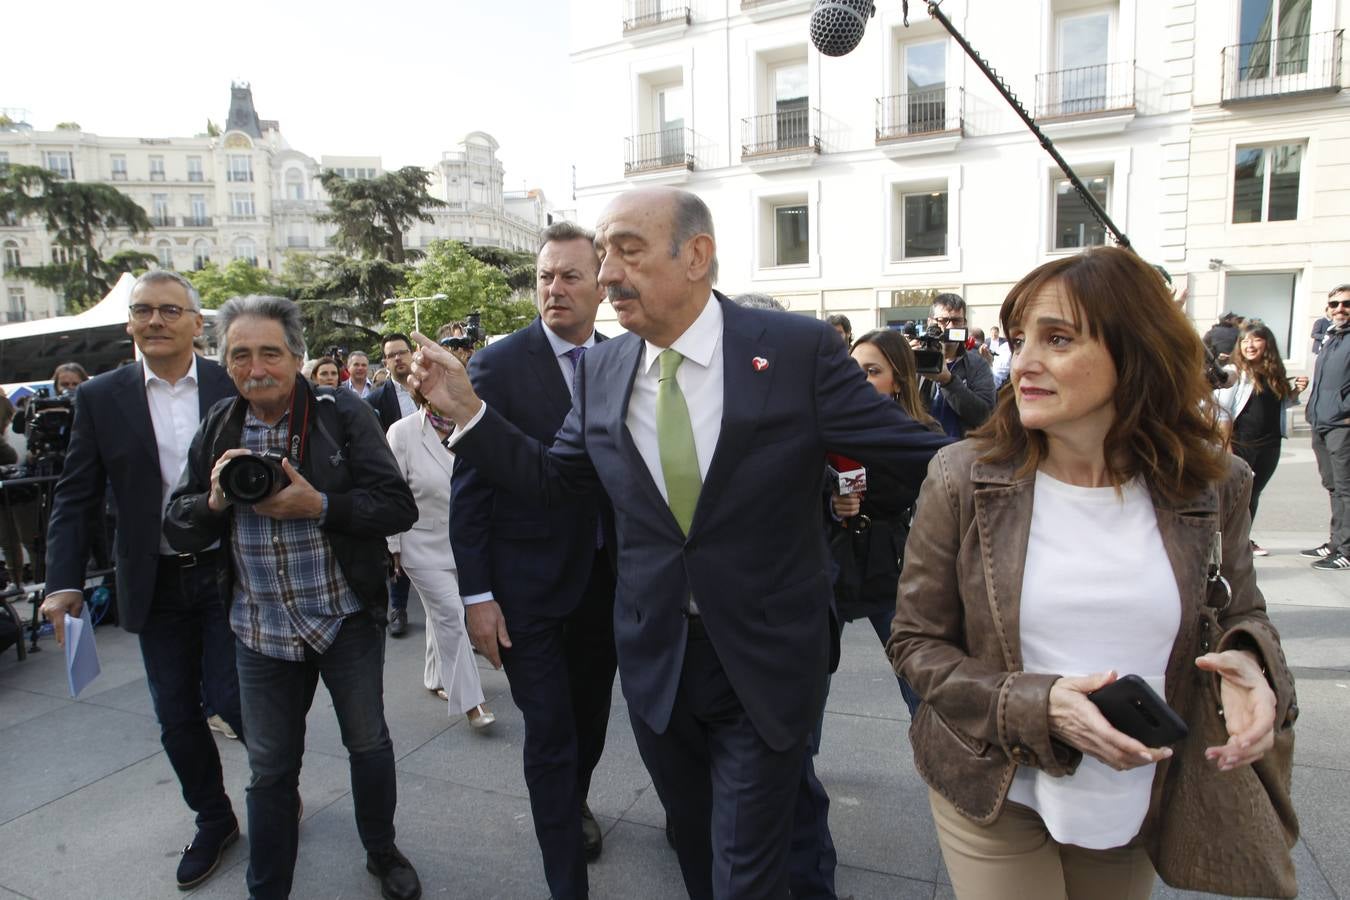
1253	408
1066	542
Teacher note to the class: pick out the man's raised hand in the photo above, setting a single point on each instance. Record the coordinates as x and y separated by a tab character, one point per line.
441	378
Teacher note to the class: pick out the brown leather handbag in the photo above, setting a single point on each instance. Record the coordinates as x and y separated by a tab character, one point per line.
1225	832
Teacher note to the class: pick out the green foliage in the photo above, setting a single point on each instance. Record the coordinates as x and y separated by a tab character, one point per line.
372	215
468	284
238	278
341	298
212	129
516	265
67	126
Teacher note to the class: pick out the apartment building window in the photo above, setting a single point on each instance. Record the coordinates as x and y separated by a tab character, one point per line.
246	250
925	88
60	255
1265	183
156	168
194	169
60	162
295	184
791	235
1080	83
355	173
1274	36
119	167
241	205
18	305
240	167
164	250
159	211
923	222
1074	225
201	254
13	258
197	205
790	102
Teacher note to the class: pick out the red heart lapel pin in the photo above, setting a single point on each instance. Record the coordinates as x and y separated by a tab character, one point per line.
760	363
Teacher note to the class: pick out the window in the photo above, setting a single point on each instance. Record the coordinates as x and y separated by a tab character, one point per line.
18	305
13	259
245	249
241	205
923	224
201	254
1273	31
119	167
1074	225
159	211
790	235
1265	183
164	250
295	184
925	87
60	162
156	168
240	167
197	203
355	174
668	106
60	255
194	170
790	102
1082	44
4	161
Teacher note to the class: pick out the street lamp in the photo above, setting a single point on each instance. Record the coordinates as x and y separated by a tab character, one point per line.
417	315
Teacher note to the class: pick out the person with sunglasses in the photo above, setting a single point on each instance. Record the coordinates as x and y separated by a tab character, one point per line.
961	396
1328	413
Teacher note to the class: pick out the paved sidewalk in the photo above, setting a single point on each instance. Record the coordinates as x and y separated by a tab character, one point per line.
89	807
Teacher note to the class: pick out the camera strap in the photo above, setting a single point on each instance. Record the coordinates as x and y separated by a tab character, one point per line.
302	401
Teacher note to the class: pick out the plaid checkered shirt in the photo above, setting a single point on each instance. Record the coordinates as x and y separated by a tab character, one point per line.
289	590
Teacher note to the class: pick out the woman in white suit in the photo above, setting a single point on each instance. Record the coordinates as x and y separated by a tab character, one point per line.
424	554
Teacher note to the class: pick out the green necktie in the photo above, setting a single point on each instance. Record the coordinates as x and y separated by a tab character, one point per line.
675	441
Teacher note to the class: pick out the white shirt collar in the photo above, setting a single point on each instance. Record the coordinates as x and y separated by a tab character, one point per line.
561	345
151	376
699	341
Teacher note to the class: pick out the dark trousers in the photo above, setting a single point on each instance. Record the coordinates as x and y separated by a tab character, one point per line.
881	624
1332	449
812	859
188	650
1263	458
398	592
561	673
276	696
729	795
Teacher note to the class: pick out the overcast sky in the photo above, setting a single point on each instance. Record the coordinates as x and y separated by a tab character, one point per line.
400	79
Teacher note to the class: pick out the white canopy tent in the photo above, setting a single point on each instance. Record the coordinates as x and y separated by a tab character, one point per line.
111	310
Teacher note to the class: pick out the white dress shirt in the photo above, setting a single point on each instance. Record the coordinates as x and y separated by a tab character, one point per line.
406	406
363	391
174	416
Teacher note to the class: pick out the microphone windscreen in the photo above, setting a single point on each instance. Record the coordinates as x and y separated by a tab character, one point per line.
837	25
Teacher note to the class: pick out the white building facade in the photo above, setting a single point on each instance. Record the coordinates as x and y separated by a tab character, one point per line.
244	193
863	184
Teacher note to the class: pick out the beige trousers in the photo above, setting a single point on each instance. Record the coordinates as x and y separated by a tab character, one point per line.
1016	857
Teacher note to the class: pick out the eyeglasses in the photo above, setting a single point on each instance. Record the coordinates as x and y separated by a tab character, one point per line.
1343	304
950	321
144	312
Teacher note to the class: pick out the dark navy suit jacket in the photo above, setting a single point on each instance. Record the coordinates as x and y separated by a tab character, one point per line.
755	556
113	440
385	401
534	560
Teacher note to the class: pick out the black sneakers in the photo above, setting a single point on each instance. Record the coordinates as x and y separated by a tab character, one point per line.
202	856
1321	552
398	878
1334	561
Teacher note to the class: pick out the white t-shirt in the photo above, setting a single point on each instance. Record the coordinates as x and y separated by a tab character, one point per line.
1098	593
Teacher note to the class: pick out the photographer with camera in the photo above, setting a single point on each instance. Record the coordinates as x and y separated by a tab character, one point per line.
960	393
301	490
132	428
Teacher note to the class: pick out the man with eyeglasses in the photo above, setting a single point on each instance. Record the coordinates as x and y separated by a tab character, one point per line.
133	427
1328	413
961	396
392	401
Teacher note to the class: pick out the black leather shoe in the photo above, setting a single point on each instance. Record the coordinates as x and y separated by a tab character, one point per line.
398	878
592	841
202	857
670	834
398	622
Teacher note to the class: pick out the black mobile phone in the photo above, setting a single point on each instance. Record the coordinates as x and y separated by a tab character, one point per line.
1135	709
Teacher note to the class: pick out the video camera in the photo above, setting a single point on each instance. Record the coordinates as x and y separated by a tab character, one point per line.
472	337
929	356
339	354
48	429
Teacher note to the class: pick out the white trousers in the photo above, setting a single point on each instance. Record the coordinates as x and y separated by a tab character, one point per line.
449	660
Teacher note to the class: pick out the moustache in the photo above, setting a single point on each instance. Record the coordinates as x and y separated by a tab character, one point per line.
619	292
253	384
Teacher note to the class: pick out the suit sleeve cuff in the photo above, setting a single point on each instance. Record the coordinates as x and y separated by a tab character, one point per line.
485	597
461	430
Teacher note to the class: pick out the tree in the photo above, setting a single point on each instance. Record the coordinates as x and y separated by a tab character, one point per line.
516	265
469	285
78	216
342	298
238	278
373	214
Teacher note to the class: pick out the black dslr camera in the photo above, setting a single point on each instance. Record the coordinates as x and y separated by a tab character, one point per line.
929	358
253	478
48	430
472	337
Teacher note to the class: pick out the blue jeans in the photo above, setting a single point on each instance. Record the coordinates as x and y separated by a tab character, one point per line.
881	624
188	650
276	696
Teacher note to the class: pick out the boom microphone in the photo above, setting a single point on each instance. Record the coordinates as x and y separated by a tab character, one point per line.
837	25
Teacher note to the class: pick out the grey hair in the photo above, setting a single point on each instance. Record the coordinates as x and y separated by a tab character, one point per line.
156	276
950	301
278	309
1340	289
692	217
360	353
758	301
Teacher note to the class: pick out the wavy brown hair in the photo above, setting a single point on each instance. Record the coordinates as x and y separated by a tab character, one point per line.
1165	429
1267	372
904	373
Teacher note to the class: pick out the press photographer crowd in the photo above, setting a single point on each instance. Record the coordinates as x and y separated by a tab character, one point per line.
1044	516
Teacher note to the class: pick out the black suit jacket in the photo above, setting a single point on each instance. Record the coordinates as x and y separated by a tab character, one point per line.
534	560
755	556
385	401
113	440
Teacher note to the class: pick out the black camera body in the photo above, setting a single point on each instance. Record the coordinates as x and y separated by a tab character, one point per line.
254	477
930	358
339	354
47	429
472	337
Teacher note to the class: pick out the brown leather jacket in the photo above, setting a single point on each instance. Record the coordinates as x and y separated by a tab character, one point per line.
955	633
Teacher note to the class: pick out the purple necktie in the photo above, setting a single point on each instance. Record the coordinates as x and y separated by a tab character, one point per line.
575	355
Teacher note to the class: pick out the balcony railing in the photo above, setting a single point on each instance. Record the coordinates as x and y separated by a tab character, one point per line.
298	242
651	13
161	221
781	132
197	221
920	113
119	175
672	148
1295	64
1085	91
156	175
238	176
196	175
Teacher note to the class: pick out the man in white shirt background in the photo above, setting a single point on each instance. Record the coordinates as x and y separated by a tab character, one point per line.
358	368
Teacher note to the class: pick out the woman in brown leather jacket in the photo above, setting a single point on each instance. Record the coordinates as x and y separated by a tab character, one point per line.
1064	544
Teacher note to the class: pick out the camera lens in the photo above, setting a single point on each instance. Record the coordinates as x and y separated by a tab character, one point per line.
247	479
